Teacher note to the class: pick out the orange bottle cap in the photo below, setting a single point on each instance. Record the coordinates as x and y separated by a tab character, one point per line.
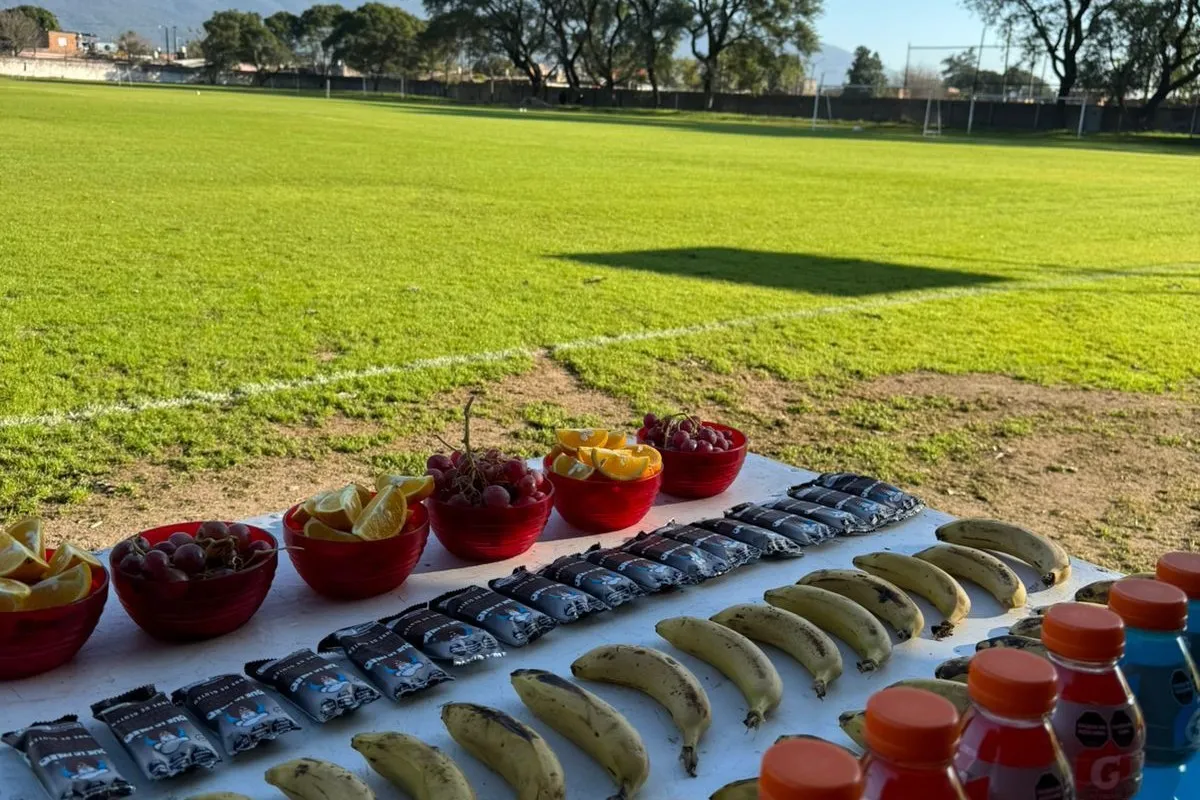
1083	632
1012	683
911	726
809	769
1182	570
1149	605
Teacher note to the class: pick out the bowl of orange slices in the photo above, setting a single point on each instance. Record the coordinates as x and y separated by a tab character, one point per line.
50	600
354	542
602	482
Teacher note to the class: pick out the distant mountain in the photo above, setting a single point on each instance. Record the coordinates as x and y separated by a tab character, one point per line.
832	61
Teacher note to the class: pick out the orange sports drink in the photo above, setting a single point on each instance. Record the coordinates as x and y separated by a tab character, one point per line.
911	739
809	769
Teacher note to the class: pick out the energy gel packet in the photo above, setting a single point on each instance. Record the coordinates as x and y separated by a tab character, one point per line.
651	576
871	489
842	522
562	603
769	543
321	686
68	761
696	565
242	715
511	622
611	588
870	512
442	638
395	667
800	530
731	551
156	734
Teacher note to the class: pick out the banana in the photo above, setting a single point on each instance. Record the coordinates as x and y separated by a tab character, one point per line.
419	770
979	567
1046	556
840	616
854	725
508	747
313	779
785	737
592	724
954	691
1029	626
1097	591
1015	642
745	789
883	599
792	634
920	577
954	669
657	674
219	796
738	658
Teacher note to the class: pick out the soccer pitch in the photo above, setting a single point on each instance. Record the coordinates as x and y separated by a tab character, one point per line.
190	277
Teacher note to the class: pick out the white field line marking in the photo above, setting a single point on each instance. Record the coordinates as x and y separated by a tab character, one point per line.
54	419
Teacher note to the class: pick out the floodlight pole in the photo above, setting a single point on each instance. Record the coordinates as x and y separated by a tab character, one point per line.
1082	114
971	116
817	101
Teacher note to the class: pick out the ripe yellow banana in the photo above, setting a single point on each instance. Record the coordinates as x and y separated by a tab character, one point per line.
978	567
920	577
854	725
954	691
738	658
592	724
1046	556
1014	642
745	789
313	779
419	770
792	634
508	747
1028	626
663	678
1097	591
883	599
953	669
840	616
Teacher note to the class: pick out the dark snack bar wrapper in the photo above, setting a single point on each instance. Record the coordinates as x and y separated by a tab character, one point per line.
236	710
561	603
442	638
321	686
842	522
651	576
68	761
871	489
870	512
511	622
156	733
611	588
731	551
800	530
696	565
769	543
392	664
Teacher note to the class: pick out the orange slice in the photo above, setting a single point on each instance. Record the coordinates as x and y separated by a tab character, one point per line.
384	516
315	529
649	452
13	595
17	562
364	494
339	509
414	488
572	439
28	532
68	556
70	586
621	466
616	440
569	467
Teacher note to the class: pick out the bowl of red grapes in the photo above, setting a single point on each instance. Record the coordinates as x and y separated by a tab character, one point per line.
194	580
700	458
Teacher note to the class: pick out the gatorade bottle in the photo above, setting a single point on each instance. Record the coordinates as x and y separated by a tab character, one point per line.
1096	720
1008	750
1182	570
1162	677
809	769
911	737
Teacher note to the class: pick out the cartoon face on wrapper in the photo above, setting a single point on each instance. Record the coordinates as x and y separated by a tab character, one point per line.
405	668
330	684
244	717
85	770
167	742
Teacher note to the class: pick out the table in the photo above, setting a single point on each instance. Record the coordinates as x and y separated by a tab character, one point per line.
119	657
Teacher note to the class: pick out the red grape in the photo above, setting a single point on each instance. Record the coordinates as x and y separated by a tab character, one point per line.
156	564
492	455
496	497
439	461
515	470
439	477
132	564
539	497
173	575
541	478
687	426
679	439
527	486
456	458
122	549
166	547
189	558
241	534
213	530
140	545
689	446
706	435
459	499
179	539
650	420
704	447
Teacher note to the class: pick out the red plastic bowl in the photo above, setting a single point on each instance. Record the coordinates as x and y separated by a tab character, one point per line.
477	533
696	475
599	504
189	611
354	570
33	642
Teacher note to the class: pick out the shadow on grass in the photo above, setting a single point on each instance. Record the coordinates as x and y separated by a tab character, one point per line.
838	277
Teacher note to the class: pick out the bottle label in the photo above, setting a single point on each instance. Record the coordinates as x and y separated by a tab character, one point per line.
1171	708
984	781
1104	747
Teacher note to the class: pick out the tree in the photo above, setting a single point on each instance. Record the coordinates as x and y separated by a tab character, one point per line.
18	32
923	81
133	45
233	37
517	28
609	47
1162	43
718	24
657	28
689	73
866	76
285	26
44	19
750	66
315	28
378	40
570	23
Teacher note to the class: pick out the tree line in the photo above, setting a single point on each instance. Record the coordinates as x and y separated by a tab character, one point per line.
25	27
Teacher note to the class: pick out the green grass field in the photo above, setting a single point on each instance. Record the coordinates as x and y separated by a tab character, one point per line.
212	258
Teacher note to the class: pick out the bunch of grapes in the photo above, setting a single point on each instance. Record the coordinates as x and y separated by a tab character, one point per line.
216	550
685	433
